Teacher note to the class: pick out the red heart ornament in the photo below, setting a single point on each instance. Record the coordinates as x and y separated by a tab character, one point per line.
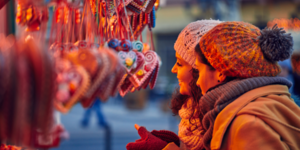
63	101
125	87
151	61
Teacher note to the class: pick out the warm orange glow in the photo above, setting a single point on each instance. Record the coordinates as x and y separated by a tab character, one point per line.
5	147
156	4
66	17
93	6
29	13
19	13
18	8
286	24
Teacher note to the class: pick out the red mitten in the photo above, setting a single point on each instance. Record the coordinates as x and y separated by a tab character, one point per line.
167	136
147	141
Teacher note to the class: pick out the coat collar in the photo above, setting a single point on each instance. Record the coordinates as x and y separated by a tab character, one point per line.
226	116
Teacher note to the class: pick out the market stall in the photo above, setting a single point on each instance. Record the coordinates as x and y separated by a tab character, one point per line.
95	49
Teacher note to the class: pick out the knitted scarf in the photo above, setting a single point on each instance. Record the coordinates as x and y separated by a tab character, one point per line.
211	104
189	127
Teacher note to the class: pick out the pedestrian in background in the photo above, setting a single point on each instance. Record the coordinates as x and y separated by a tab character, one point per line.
96	107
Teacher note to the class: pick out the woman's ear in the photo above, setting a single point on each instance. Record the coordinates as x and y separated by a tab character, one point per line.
221	77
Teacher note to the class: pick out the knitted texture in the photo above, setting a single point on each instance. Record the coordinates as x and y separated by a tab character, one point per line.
214	101
147	141
167	136
189	127
233	48
190	36
276	44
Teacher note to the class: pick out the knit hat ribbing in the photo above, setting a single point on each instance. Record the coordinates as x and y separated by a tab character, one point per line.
190	36
237	49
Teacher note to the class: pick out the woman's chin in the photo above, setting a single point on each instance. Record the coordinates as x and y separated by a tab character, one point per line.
184	92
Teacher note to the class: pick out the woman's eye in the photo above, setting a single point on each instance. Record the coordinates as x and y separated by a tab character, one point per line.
178	64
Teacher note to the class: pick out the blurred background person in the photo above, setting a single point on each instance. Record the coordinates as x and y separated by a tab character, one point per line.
96	107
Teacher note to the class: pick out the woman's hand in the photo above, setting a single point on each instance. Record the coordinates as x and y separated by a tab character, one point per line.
147	142
155	140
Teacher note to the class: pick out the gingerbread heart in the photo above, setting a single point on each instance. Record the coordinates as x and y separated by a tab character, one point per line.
73	83
139	62
120	73
102	72
151	61
106	86
126	86
86	58
154	77
127	59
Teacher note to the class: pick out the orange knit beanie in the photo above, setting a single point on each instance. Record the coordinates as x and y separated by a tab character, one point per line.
239	49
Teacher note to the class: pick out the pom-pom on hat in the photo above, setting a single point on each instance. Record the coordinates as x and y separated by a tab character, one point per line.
239	49
190	36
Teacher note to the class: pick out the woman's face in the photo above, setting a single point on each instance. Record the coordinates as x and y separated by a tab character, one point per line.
208	77
184	75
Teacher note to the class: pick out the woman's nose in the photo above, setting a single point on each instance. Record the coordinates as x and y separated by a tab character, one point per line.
174	69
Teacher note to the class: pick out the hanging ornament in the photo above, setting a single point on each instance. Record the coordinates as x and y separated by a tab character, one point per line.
125	45
114	44
73	82
152	22
28	15
138	45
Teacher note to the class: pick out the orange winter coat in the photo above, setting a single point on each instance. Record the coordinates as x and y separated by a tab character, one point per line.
264	118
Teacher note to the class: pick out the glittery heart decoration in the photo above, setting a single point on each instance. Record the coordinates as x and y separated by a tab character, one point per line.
151	80
125	45
151	61
137	45
106	87
114	44
86	59
72	84
102	72
127	59
139	62
125	87
154	77
120	77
